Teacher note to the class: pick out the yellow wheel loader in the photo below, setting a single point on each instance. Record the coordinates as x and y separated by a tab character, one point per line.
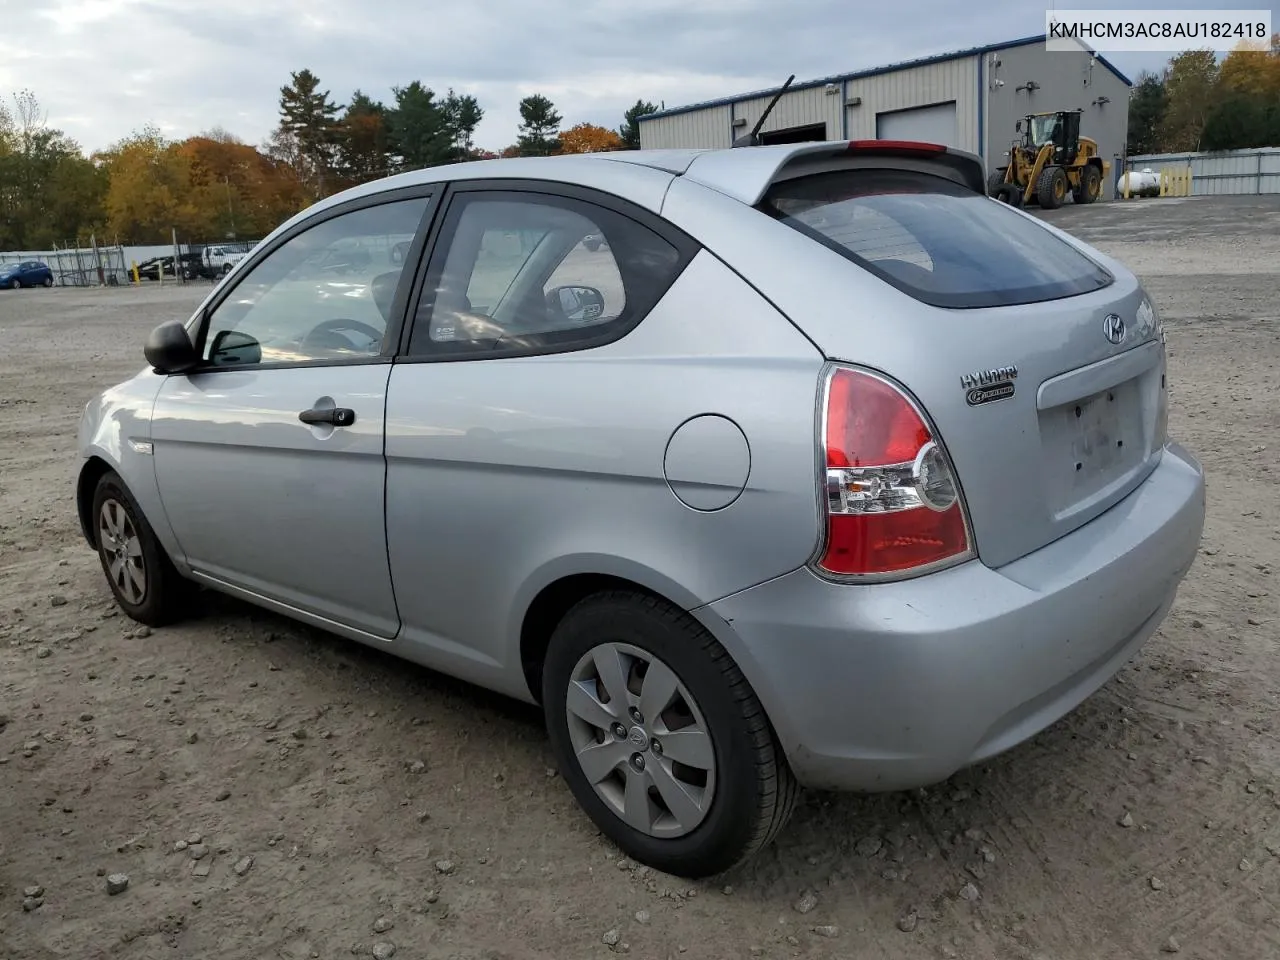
1050	161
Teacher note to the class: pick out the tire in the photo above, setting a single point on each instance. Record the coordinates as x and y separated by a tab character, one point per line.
995	180
226	268
48	282
1009	193
1051	188
163	595
16	284
752	790
1090	187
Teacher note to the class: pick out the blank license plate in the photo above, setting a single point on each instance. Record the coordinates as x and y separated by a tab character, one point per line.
1105	435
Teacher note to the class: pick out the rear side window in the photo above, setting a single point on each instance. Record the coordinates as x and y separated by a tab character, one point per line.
934	239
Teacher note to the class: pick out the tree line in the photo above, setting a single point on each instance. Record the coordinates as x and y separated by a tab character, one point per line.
1197	103
214	186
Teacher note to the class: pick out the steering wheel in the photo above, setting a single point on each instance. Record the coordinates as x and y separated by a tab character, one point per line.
326	333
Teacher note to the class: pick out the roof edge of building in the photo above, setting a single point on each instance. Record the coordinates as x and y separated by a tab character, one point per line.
871	72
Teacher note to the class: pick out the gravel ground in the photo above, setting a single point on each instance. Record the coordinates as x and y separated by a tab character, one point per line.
240	786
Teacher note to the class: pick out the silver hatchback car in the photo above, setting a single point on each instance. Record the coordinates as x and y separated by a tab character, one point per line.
822	470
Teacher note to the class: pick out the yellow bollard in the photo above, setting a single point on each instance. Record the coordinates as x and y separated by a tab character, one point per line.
134	270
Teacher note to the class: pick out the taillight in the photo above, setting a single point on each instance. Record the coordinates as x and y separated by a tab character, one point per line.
893	504
896	146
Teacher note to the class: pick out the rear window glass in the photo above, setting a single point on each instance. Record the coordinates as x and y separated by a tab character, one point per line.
934	239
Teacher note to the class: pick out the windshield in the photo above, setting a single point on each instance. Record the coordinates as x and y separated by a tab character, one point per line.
934	239
1042	129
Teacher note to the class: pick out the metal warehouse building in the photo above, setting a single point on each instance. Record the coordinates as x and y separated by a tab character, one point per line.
970	99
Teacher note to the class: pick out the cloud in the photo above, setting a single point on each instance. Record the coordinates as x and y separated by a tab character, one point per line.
103	68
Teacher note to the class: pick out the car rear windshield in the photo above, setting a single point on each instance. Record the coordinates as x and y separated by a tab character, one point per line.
934	239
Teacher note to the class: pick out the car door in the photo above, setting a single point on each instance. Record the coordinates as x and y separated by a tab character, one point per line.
493	454
269	455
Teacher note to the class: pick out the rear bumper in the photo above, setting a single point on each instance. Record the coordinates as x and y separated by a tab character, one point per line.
892	686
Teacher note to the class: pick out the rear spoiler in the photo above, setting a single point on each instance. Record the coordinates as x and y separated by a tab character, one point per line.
747	173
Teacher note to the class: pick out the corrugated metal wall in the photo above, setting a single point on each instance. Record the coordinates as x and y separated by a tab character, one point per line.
1229	172
796	109
918	87
697	128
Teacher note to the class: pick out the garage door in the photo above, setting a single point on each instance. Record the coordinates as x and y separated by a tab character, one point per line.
934	124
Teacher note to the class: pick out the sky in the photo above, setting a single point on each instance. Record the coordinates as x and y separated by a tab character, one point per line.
102	69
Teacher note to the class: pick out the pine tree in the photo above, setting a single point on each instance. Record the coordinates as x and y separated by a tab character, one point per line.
630	129
539	128
309	119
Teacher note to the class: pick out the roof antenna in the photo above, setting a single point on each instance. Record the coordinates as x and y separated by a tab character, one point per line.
752	139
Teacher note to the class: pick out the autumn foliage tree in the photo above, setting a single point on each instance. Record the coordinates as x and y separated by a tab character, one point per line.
213	186
589	138
49	191
209	187
1199	104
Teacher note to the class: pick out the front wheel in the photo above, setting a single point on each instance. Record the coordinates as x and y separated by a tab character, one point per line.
1051	188
142	577
660	737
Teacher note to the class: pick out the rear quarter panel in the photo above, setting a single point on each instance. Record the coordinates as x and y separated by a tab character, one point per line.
856	317
506	475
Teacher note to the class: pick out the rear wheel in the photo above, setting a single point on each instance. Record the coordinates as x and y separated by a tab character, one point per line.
141	576
48	281
994	181
1090	187
1051	188
660	738
15	284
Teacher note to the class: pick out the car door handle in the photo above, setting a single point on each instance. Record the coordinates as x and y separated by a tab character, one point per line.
335	416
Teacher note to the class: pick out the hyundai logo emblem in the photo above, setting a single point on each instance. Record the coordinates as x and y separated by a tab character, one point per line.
1113	328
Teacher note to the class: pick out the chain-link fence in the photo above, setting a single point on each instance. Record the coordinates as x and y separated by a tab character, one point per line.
92	266
77	265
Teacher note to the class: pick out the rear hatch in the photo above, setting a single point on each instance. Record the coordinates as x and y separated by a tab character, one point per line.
1039	361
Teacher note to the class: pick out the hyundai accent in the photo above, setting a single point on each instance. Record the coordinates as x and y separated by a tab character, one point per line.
822	470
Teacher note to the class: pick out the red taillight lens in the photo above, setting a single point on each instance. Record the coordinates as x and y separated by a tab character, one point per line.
892	501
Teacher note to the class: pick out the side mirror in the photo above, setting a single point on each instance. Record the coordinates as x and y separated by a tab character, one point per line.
169	349
1018	126
233	347
576	304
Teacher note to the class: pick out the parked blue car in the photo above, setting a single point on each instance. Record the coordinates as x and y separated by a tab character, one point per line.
28	273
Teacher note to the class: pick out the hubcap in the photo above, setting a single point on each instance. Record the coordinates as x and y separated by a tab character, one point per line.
641	740
123	551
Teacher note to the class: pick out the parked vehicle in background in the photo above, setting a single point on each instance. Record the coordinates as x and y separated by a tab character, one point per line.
219	260
26	273
156	267
826	471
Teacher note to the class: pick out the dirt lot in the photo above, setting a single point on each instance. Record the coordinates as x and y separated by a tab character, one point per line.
1148	821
